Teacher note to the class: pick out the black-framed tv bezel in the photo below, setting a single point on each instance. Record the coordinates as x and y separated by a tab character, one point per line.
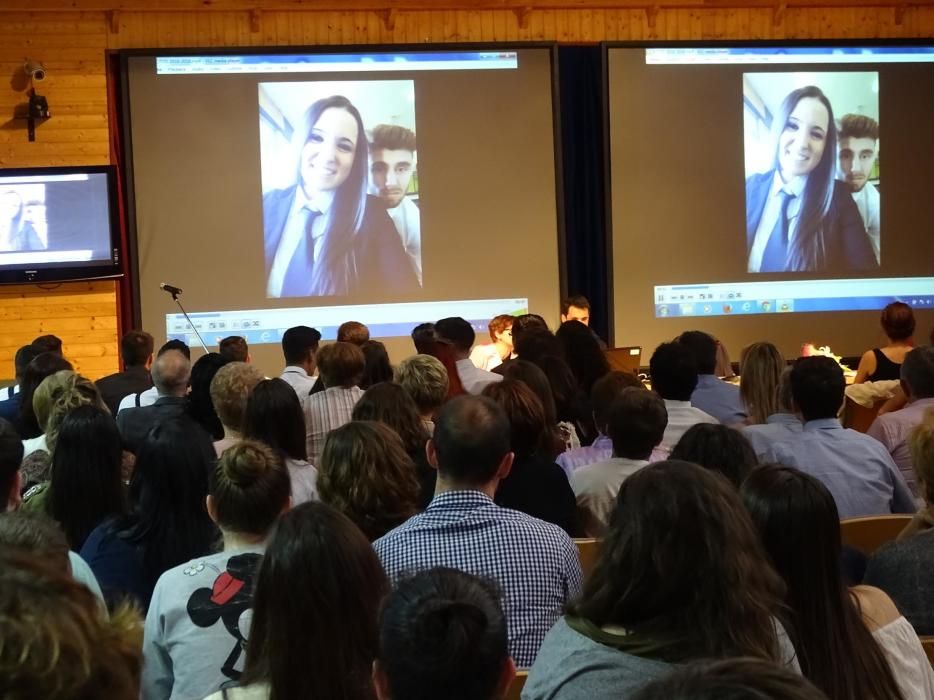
48	273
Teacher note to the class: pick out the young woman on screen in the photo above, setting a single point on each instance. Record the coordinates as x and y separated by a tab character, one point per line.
16	231
325	236
798	216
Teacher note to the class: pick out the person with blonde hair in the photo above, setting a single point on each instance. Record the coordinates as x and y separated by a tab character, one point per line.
778	426
760	366
230	390
365	473
425	379
195	633
54	397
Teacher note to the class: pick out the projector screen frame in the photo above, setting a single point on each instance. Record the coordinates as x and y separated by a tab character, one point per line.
126	144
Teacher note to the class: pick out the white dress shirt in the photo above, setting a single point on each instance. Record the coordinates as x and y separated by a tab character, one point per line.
407	219
596	487
473	378
770	214
146	398
681	416
298	379
486	356
867	201
302	208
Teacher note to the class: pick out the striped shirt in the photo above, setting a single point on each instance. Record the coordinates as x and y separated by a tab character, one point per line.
325	411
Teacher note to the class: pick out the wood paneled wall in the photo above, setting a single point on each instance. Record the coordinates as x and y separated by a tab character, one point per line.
72	45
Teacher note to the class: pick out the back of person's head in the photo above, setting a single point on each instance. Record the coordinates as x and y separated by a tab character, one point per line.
234	348
136	348
457	332
471	440
761	366
921	446
249	488
674	372
37	535
526	322
11	456
718	448
704	349
583	354
87	484
200	405
534	378
230	390
171	373
678	532
366	474
424	337
22	358
391	405
898	321
528	430
425	380
636	423
499	325
918	372
353	332
58	642
319	587
59	394
174	344
442	634
377	367
274	416
341	364
167	491
731	679
49	343
299	344
536	343
799	525
606	390
42	365
817	386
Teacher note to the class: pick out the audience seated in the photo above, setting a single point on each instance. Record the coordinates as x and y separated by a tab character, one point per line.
534	563
658	596
535	485
341	367
903	568
170	374
460	335
731	679
167	523
314	631
443	635
760	366
583	354
136	348
712	395
230	390
491	356
718	448
878	364
425	380
561	435
193	641
377	366
389	404
353	332
299	346
851	643
892	429
200	405
784	424
149	396
636	423
274	416
234	348
856	468
9	406
674	378
41	366
365	473
57	641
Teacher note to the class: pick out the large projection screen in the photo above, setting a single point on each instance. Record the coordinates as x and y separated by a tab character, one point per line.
743	206
256	192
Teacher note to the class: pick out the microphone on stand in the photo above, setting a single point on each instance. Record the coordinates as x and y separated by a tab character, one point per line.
175	291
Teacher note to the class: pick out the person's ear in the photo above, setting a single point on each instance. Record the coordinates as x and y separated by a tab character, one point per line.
211	508
905	388
380	682
505	466
14	497
149	361
431	452
506	677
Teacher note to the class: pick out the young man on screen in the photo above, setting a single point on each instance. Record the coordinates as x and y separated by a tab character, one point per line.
859	140
392	162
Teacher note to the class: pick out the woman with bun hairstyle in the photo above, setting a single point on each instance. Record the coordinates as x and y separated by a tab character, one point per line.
197	624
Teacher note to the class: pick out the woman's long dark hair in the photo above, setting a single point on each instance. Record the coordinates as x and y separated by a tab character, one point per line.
41	366
807	251
534	378
682	568
335	267
86	486
319	587
799	524
168	518
200	405
274	416
378	368
391	405
583	354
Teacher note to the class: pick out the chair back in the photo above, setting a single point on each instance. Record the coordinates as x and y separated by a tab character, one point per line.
928	644
869	533
588	549
518	683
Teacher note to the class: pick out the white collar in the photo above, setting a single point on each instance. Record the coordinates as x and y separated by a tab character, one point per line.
321	201
795	187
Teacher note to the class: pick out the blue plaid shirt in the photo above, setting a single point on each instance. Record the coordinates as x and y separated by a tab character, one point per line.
534	563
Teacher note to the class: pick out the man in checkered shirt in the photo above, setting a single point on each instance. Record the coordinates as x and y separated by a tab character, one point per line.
534	563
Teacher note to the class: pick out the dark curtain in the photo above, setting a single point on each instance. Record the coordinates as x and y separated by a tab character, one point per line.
580	76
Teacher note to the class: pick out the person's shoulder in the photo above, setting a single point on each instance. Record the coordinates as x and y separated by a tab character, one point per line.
875	606
522	525
757	180
277	196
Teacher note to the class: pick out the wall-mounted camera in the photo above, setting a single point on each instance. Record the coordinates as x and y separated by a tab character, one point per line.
37	109
34	70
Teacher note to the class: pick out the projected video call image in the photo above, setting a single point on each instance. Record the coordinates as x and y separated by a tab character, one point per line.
23	224
811	145
340	188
